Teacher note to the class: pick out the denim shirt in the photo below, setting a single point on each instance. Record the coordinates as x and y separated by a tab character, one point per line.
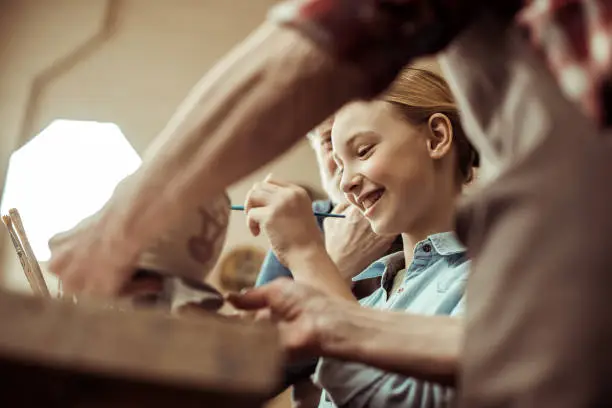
434	284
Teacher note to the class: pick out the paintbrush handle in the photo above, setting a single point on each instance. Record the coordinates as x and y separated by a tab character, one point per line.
20	253
30	257
316	213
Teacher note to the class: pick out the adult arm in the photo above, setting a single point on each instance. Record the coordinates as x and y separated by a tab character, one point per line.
426	347
248	109
359	385
313	324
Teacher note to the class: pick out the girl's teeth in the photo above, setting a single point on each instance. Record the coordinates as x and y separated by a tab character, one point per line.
371	200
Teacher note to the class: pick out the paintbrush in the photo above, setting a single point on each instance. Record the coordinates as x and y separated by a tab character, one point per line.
30	266
316	213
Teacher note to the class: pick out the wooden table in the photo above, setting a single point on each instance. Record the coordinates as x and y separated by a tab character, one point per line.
55	354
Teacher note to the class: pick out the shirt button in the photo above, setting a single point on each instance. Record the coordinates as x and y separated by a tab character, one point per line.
427	248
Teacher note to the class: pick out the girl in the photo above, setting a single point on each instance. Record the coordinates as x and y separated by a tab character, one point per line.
404	161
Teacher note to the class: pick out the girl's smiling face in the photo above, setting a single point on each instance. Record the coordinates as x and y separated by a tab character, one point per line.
388	165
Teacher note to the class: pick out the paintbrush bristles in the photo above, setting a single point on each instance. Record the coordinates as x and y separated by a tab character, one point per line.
40	286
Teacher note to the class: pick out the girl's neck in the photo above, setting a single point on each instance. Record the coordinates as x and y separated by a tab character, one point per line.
440	218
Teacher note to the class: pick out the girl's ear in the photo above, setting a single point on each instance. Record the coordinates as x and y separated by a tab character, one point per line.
440	135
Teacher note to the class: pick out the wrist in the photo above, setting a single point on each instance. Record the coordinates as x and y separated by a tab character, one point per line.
116	222
313	266
339	333
307	254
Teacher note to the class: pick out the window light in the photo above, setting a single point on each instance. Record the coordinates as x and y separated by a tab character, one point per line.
65	174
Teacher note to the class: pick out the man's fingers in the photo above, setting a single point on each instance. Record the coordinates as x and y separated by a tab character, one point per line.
340	208
57	239
250	299
273	295
72	284
353	214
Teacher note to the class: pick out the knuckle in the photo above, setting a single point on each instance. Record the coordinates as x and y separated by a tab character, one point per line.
56	240
295	195
301	192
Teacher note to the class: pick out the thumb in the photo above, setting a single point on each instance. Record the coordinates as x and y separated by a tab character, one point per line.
353	215
340	208
250	299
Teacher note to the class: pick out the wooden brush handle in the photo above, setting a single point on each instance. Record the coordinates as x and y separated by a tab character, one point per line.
34	267
20	252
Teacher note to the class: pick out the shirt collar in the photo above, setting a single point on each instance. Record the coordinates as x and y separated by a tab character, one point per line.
444	243
378	268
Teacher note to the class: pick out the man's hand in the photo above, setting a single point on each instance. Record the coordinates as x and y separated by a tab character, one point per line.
284	212
351	243
277	84
304	316
311	324
92	259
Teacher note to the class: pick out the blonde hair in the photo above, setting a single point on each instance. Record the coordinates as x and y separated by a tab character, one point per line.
419	94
